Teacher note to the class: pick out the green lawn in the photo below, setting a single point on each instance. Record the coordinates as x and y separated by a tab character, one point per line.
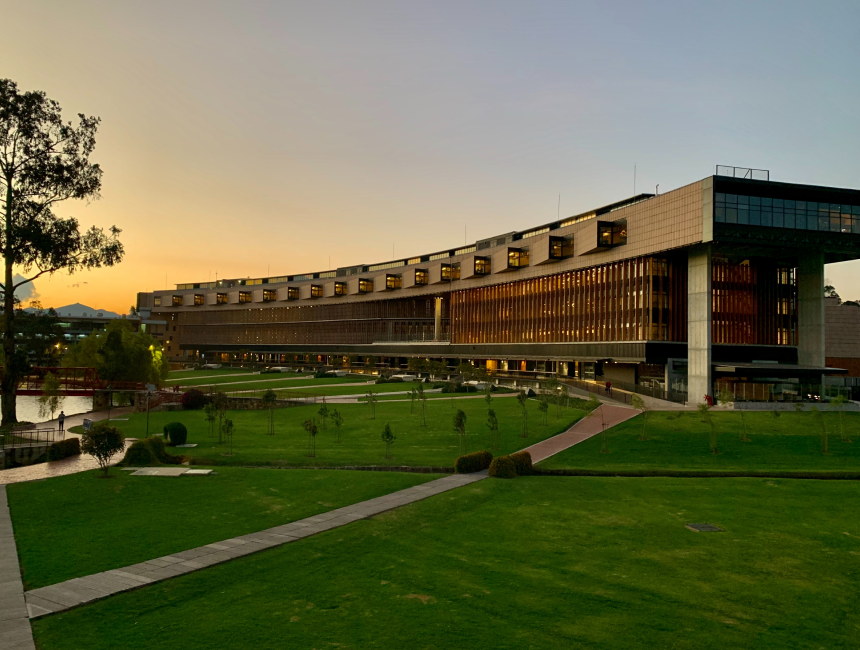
243	382
680	440
434	445
540	562
181	375
76	525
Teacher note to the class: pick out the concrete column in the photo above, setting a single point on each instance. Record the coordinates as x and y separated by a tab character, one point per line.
699	307
810	310
438	320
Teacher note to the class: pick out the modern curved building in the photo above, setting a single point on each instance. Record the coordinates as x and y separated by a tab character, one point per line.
720	281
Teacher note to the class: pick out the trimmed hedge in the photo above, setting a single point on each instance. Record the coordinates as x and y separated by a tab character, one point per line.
64	448
503	467
821	475
194	400
149	451
176	432
475	462
523	463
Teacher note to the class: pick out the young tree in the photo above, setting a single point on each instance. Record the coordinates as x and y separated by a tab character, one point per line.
460	428
423	397
337	420
543	407
371	400
388	438
522	400
210	413
102	442
639	404
822	427
493	426
227	429
599	415
838	402
413	394
51	398
552	389
708	418
268	401
323	413
370	362
565	395
488	400
43	161
311	427
219	402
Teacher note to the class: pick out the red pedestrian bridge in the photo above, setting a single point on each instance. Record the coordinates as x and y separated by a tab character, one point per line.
73	381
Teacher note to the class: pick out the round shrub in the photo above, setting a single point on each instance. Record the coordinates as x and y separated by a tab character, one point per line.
64	448
139	455
193	400
503	467
475	462
523	463
176	432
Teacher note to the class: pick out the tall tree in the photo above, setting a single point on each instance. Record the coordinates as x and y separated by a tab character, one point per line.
43	161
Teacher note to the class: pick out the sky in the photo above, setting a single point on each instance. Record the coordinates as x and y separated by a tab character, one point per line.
254	139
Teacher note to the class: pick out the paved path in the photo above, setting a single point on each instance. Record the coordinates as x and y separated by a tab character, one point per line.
586	427
15	633
72	593
71	465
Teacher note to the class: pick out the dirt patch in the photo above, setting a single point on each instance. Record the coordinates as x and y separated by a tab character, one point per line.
424	598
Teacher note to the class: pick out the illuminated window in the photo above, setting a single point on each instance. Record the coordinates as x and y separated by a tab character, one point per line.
244	296
340	288
156	301
198	299
270	296
177	301
292	293
221	299
482	266
517	258
392	282
316	291
556	248
446	272
365	286
421	277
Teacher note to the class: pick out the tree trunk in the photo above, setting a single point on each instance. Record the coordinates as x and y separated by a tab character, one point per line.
9	384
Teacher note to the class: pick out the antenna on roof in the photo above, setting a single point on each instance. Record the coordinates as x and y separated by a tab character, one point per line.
558	211
657	190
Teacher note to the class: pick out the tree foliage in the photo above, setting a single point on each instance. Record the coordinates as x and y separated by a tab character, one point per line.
118	353
44	160
388	438
103	442
51	398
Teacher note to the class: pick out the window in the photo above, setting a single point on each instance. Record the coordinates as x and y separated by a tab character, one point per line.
270	295
446	272
156	301
421	277
198	299
517	258
392	282
786	213
482	266
556	248
177	301
340	288
316	291
365	286
221	299
612	233
292	293
244	296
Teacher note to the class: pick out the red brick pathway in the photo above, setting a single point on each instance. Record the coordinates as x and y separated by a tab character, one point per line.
582	430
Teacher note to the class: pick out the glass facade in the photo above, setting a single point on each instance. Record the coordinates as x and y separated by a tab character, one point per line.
785	213
316	291
365	286
292	293
392	282
421	277
177	301
270	295
482	266
517	258
221	299
340	288
244	296
198	299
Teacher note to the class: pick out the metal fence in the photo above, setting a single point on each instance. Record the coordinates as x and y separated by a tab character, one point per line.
743	172
27	437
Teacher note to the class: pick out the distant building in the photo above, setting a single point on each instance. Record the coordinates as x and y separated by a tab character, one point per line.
717	284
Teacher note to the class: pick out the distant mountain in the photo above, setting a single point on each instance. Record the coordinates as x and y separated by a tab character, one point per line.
77	309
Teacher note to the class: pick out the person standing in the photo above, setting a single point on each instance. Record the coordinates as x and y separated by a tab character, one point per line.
61	419
609	388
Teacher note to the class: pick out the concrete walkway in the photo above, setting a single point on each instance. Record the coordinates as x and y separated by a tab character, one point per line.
71	465
587	427
15	633
79	591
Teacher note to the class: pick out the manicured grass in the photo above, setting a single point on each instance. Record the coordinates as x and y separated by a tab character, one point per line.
434	445
680	440
80	524
530	563
181	375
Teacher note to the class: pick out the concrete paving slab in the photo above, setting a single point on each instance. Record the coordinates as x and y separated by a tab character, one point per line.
160	471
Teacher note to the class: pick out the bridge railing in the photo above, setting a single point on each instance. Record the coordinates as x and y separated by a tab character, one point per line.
27	437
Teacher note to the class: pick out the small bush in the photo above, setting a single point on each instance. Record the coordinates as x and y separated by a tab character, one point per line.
149	451
321	373
176	432
503	467
193	400
475	462
523	463
103	442
64	449
438	384
389	380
